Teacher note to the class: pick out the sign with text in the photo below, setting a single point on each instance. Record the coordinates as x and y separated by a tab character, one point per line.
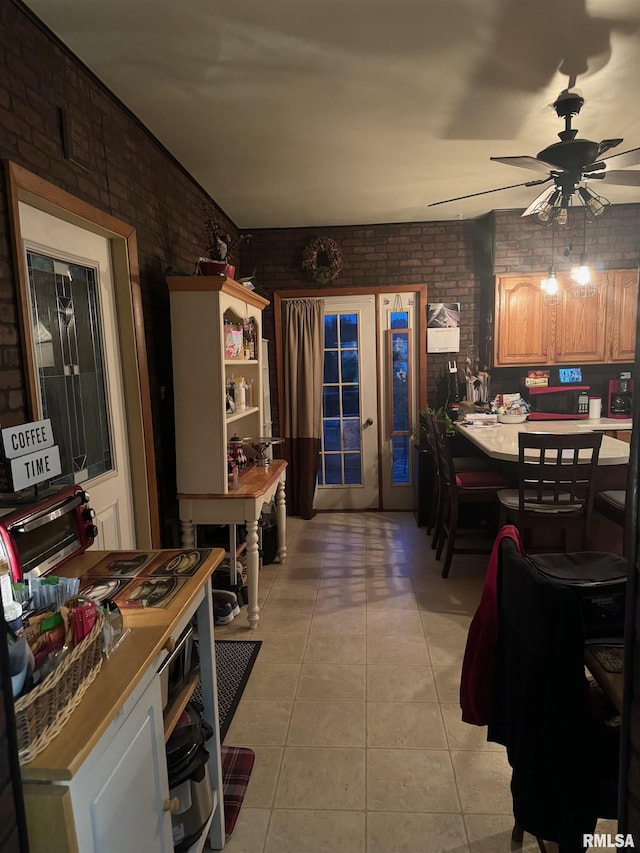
31	454
34	468
26	438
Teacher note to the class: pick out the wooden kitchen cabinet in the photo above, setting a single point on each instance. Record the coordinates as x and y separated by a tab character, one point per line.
200	373
521	321
594	330
622	303
578	325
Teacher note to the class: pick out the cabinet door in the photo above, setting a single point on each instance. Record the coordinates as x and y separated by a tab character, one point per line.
623	298
522	321
118	797
580	325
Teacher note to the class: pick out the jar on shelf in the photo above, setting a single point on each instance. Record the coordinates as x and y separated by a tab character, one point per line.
240	394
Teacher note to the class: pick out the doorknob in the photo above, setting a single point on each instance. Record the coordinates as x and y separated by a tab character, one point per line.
368	422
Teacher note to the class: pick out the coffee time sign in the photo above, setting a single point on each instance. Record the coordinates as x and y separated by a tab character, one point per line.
31	453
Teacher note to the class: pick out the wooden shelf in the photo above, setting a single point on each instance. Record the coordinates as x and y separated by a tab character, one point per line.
179	703
236	416
231	362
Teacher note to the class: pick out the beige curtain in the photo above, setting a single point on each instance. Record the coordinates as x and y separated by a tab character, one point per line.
303	346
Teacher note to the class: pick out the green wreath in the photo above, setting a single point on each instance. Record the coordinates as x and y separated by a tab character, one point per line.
322	258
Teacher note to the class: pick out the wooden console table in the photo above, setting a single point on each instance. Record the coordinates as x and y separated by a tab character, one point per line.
241	506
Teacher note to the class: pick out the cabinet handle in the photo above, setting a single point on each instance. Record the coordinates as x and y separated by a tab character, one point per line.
544	352
171	805
558	352
170	644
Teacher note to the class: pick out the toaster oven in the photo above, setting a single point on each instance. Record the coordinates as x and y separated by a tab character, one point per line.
42	535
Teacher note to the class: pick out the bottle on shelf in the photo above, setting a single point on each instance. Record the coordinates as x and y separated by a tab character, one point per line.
240	394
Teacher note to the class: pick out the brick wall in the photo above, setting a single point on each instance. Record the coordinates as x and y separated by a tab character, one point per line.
440	254
132	177
457	262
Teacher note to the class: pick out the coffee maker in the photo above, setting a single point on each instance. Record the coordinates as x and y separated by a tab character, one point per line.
620	396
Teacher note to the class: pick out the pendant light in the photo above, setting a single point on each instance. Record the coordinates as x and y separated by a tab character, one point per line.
549	285
583	285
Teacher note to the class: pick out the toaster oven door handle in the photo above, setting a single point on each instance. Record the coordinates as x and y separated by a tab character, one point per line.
47	515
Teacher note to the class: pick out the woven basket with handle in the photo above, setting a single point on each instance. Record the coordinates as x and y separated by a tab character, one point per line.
41	713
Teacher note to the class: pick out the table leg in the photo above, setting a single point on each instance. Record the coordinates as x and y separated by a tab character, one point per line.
281	518
253	567
187	534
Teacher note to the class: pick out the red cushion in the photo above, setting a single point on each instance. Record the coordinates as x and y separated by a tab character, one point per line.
481	480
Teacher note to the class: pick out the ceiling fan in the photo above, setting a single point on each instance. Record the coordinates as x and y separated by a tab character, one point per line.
569	165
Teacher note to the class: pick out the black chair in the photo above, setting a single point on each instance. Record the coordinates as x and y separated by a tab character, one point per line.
460	463
564	758
556	486
456	489
612	504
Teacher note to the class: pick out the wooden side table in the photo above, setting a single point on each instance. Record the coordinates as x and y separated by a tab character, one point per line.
241	506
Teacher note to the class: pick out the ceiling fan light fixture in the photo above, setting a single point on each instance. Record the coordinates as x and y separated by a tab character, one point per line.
562	215
595	205
546	211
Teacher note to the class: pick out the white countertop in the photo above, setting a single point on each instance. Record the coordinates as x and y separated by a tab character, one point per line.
501	441
597	424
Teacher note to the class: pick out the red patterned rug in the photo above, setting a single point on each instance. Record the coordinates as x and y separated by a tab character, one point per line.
237	763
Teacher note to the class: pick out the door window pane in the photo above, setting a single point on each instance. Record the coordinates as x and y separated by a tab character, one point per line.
349	331
341	462
69	361
352	469
400	459
331	401
330	331
349	362
333	469
351	401
331	366
351	435
331	434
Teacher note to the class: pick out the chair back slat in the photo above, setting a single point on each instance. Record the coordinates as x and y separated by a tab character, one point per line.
556	470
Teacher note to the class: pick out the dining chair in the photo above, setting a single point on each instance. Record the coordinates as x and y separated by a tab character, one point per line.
562	752
460	463
612	504
457	488
556	486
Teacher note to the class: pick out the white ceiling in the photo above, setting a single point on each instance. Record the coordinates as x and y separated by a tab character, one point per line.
334	112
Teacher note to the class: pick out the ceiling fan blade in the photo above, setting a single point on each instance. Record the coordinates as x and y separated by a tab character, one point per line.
624	159
618	177
600	166
527	163
546	193
606	145
485	192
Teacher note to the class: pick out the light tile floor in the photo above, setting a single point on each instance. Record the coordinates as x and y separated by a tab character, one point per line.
352	706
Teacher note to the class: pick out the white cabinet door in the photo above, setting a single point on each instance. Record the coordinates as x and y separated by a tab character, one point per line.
118	796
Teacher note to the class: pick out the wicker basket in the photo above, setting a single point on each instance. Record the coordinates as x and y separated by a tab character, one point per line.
41	714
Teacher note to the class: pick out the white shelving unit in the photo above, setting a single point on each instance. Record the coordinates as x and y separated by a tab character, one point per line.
200	374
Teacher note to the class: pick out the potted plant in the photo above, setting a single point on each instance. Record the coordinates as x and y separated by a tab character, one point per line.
219	246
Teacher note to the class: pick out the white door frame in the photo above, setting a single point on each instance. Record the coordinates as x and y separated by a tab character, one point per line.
29	188
420	291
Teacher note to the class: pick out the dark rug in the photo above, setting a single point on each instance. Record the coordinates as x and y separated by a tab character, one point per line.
237	763
610	657
234	662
